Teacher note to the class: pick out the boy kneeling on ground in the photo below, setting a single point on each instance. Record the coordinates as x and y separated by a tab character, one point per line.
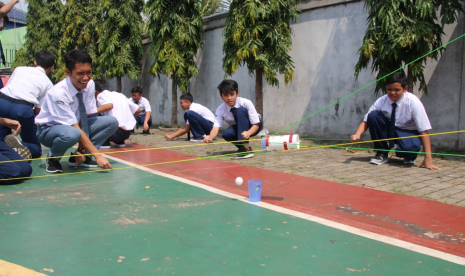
199	119
241	116
398	114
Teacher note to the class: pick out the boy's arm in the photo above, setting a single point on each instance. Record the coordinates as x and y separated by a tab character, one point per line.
178	133
360	130
213	133
7	8
84	142
148	114
137	112
105	108
252	130
428	161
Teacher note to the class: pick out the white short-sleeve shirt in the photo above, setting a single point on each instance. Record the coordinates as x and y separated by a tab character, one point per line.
122	108
223	112
202	111
29	84
410	112
144	105
61	106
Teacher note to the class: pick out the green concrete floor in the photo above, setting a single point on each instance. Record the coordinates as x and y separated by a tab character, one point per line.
81	224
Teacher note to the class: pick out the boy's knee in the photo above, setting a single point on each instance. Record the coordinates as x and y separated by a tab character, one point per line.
72	135
242	111
189	114
374	115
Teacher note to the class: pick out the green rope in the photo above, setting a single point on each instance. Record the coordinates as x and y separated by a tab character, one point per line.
331	104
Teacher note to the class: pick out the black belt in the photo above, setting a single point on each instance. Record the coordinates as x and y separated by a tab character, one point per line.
10	99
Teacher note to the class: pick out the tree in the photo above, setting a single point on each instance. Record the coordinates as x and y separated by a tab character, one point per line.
258	33
43	32
209	7
120	39
176	29
80	20
399	32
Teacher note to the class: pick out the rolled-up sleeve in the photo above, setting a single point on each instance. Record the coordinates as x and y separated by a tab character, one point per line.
218	117
375	106
254	118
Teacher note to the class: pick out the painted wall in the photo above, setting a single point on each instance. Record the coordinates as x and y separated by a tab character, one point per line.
12	40
326	38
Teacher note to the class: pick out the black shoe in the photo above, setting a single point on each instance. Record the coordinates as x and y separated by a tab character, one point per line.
52	165
379	159
106	145
243	153
146	131
88	163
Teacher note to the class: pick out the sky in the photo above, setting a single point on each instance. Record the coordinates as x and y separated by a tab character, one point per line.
22	5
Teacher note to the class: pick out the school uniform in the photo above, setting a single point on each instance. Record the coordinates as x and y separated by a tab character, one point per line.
60	111
123	110
200	119
24	91
410	120
144	105
240	118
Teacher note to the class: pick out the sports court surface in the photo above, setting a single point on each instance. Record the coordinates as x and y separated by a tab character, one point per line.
178	218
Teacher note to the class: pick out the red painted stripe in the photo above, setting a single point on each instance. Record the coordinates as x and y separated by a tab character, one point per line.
267	141
290	138
285	145
381	212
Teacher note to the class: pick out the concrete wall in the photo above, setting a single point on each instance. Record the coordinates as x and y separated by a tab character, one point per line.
326	38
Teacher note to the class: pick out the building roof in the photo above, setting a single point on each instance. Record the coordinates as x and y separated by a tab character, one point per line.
17	15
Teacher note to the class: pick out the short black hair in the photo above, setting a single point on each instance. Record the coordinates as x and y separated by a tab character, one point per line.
45	59
228	86
188	97
76	56
100	85
137	89
397	77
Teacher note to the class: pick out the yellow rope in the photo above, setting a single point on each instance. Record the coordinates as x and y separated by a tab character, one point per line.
224	155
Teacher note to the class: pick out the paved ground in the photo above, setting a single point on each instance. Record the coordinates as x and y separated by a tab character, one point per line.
190	218
339	165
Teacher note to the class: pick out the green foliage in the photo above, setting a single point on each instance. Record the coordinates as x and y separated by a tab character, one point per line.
80	20
176	29
258	33
209	7
400	31
43	32
120	38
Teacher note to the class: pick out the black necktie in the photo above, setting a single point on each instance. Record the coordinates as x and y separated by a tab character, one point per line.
392	128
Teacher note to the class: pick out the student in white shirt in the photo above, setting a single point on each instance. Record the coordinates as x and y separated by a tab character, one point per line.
241	116
117	105
21	100
199	119
67	116
145	116
398	114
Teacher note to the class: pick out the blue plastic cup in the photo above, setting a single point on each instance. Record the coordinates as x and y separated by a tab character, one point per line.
255	190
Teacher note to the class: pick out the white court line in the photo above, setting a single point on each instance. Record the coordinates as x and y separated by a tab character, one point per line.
364	233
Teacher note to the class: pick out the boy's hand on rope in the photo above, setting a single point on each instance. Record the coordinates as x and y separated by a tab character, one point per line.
102	162
208	139
355	137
